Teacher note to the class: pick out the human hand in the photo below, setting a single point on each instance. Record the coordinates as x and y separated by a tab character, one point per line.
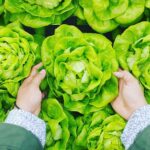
131	95
29	96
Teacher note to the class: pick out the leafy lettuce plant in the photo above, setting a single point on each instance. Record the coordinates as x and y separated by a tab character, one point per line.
79	68
16	59
106	15
39	13
57	125
133	52
100	130
97	130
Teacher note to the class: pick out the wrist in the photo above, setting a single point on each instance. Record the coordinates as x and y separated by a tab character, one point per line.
133	109
139	120
26	109
16	106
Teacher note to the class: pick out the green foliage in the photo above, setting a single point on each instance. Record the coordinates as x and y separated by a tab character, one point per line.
39	13
100	130
57	125
79	68
133	52
2	113
148	4
106	15
1	6
17	49
79	83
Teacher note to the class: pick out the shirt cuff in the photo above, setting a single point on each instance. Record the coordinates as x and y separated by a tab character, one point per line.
28	121
138	121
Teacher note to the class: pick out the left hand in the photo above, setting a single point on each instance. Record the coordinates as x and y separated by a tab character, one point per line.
29	96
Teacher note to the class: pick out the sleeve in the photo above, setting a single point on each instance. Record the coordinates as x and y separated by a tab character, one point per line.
14	137
142	140
28	121
137	123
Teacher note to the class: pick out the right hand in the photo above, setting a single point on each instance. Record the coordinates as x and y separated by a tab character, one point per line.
131	96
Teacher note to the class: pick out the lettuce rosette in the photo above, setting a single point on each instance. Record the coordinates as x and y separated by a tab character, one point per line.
133	53
16	59
39	13
106	15
100	130
79	68
57	125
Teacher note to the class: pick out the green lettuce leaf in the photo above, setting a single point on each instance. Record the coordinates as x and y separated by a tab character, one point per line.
17	49
148	3
79	68
1	6
133	52
106	15
2	113
39	37
57	125
39	13
100	130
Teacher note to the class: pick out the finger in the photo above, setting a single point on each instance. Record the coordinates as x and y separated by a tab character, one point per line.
35	69
125	75
37	111
121	82
39	77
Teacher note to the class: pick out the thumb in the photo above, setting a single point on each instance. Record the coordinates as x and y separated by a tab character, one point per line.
39	77
125	75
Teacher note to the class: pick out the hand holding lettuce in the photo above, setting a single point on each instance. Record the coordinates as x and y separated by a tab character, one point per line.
17	49
133	53
79	68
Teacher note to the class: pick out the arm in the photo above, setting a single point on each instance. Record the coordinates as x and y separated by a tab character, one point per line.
132	106
24	122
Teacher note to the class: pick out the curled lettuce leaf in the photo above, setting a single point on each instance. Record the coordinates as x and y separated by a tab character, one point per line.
2	113
105	15
39	13
148	3
57	125
16	59
99	131
79	68
1	6
133	52
39	37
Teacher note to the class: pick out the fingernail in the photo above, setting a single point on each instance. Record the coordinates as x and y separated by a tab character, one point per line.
43	71
118	74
